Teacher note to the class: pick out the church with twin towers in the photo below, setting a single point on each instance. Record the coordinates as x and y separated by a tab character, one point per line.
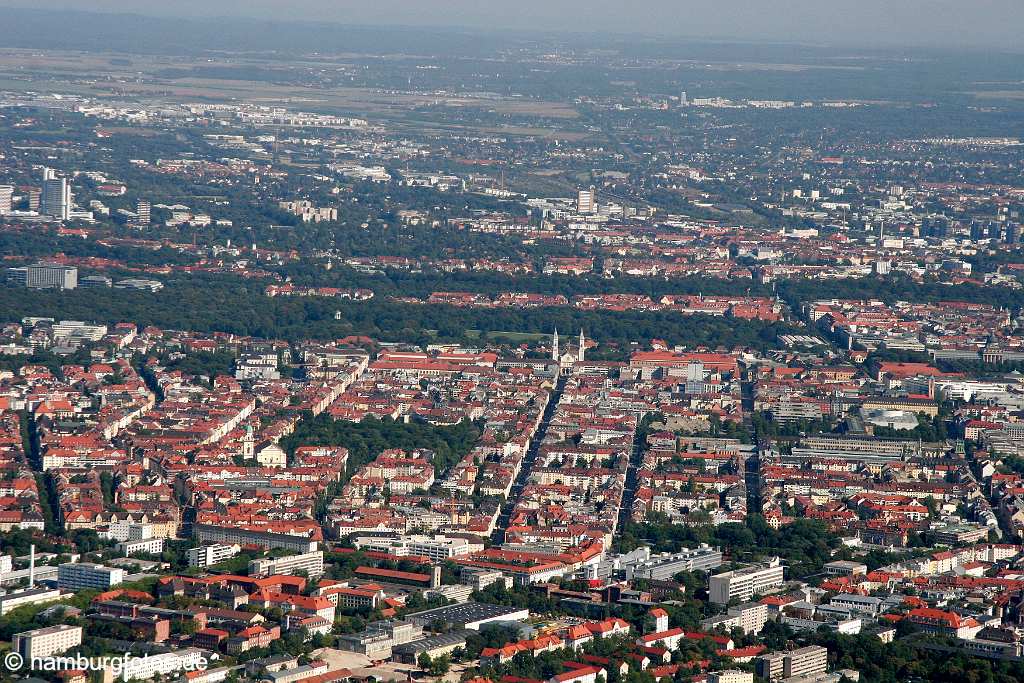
568	358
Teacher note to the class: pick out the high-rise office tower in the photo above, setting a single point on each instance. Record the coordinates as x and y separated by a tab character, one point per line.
6	199
1011	234
683	99
142	212
586	201
56	196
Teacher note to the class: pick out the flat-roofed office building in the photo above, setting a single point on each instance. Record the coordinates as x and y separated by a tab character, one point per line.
45	642
51	276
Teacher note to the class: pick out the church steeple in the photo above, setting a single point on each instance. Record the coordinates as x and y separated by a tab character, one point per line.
248	443
583	346
554	346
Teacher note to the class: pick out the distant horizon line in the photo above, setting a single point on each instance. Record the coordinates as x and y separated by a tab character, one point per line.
864	46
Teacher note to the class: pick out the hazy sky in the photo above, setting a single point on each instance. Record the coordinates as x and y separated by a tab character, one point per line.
994	23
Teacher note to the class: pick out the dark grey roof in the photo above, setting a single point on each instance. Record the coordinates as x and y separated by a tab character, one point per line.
432	642
462	613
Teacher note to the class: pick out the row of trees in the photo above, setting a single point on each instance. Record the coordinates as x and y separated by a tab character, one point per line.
421	284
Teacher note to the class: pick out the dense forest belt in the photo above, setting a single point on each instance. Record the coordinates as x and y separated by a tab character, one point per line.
898	288
421	285
227	304
224	306
795	291
421	243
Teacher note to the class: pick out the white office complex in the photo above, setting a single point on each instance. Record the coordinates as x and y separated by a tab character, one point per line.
806	661
55	199
845	568
51	276
479	578
265	539
139	283
437	548
832	618
128	531
310	563
379	637
44	642
85	575
143	667
743	584
29	596
149	546
77	329
641	564
211	553
730	676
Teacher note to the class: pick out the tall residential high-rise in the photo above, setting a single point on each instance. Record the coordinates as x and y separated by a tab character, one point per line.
684	101
142	212
6	199
56	196
586	201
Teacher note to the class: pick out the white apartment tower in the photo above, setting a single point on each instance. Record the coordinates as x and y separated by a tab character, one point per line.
56	196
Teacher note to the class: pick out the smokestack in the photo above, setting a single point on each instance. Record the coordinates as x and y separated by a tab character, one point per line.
32	566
